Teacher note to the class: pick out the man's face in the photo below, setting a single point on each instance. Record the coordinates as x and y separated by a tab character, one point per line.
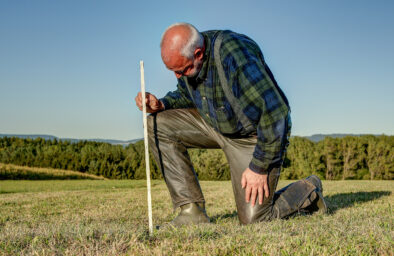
182	66
190	70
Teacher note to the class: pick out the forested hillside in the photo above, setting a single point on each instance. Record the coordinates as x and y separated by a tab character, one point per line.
364	157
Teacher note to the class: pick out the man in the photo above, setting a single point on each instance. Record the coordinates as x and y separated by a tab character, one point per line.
227	98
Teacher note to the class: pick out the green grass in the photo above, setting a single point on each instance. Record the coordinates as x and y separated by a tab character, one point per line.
16	172
109	217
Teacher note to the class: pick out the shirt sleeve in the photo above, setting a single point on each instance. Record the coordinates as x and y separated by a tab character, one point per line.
263	104
179	98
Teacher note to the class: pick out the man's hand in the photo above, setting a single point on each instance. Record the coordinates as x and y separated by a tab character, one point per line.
254	184
153	105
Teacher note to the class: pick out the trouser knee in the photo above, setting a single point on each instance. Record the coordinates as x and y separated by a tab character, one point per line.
152	137
150	124
153	124
159	125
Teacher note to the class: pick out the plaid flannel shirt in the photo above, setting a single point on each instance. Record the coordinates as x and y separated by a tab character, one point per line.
254	86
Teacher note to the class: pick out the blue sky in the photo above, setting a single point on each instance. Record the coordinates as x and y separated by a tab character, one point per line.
71	68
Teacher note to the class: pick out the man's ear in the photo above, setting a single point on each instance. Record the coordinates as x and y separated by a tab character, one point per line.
199	53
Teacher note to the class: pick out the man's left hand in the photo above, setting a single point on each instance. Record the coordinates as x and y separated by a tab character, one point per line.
254	184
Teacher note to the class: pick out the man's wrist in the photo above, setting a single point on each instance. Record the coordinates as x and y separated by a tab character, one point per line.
162	106
165	103
257	169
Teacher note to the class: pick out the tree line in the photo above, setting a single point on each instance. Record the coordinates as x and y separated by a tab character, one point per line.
363	157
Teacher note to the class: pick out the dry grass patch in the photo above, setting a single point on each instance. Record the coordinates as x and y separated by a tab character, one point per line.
16	172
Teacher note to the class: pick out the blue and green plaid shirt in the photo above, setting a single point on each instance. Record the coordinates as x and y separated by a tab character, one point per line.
253	84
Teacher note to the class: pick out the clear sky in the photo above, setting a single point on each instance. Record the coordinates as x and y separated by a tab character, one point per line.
71	68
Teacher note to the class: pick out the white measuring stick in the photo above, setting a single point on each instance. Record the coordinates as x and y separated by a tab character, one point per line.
146	147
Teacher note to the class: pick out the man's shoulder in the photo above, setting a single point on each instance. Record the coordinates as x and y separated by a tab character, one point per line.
236	49
211	33
227	35
233	40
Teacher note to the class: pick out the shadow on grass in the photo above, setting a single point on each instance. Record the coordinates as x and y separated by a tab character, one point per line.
345	200
334	202
5	192
217	218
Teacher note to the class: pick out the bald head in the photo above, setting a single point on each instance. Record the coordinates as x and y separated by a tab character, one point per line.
180	40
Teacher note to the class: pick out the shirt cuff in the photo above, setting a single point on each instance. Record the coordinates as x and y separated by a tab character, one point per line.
257	169
263	168
165	103
260	165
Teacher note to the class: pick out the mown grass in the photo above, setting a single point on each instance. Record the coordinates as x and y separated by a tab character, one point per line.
86	217
16	172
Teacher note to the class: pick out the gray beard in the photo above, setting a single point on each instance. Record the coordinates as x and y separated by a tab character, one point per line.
196	72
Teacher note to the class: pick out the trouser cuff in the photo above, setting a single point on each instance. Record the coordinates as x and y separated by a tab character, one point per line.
179	204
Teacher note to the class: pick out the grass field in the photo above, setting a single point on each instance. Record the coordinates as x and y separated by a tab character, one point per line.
107	217
16	172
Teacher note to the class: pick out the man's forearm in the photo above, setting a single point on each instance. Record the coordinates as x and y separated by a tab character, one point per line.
270	146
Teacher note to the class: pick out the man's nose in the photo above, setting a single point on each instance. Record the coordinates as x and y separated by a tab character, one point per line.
177	75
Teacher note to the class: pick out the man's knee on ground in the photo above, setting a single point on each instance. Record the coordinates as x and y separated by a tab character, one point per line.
245	221
254	219
258	213
247	218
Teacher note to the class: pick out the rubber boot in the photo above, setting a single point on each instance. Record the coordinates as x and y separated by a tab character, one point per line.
315	181
292	198
316	200
193	213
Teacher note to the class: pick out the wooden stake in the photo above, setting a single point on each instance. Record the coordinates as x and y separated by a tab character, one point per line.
146	148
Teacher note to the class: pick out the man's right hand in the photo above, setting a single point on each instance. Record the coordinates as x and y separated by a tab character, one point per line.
153	105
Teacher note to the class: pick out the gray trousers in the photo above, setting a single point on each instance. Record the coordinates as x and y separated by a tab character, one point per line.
172	132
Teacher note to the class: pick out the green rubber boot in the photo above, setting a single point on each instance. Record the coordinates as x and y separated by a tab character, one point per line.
318	202
190	214
193	213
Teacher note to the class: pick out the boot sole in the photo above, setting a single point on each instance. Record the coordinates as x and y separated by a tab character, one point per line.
321	203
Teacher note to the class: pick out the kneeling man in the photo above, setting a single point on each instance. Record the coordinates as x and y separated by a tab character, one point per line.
226	98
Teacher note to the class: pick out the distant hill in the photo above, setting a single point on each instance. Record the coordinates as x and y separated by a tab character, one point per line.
314	138
319	137
51	137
